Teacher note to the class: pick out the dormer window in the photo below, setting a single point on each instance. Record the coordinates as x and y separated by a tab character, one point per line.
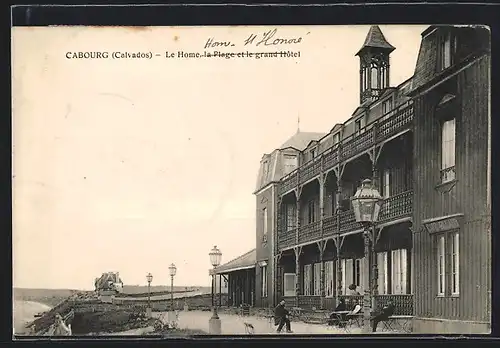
446	49
386	106
290	163
265	169
336	138
313	153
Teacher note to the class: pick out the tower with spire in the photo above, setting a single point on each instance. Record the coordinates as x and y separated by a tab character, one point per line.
374	64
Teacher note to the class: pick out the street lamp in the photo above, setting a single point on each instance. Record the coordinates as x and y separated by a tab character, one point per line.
172	270
149	278
214	322
366	203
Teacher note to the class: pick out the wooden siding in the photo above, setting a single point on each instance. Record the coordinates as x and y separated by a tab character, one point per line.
468	196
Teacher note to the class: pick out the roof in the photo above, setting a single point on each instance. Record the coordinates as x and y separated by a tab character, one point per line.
376	39
300	140
245	261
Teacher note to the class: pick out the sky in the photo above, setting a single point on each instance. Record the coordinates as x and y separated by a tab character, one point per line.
131	165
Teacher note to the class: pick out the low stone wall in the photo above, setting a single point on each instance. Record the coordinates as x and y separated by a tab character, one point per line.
445	326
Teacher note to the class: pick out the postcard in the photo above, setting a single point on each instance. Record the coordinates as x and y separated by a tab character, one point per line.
239	180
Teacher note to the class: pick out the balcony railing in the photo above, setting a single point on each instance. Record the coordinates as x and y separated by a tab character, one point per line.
289	182
394	208
403	304
309	232
382	129
286	239
310	170
330	225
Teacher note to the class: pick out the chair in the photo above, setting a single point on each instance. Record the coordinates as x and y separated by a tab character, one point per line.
354	316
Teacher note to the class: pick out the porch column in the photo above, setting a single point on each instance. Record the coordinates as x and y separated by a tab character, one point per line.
367	298
297	251
321	246
338	240
374	261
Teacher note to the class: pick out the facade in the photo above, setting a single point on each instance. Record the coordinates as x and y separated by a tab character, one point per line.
424	144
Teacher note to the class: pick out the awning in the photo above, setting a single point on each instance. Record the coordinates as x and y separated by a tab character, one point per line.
245	261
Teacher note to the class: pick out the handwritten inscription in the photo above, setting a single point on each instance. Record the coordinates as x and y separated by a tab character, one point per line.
268	38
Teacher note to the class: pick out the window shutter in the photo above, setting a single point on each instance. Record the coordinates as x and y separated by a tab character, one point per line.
317	279
382	273
395	272
289	284
344	280
349	273
404	270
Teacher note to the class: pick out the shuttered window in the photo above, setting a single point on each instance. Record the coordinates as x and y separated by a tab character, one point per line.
382	273
455	258
399	272
289	284
263	271
448	151
441	259
307	280
317	279
329	279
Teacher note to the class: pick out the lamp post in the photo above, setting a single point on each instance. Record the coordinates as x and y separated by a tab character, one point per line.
149	278
172	270
366	203
214	322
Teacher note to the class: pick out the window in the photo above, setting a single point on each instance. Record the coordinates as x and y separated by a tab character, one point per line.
329	283
289	284
263	272
382	282
290	163
357	125
441	265
307	280
313	153
445	50
317	279
455	258
336	138
265	169
399	272
352	273
374	77
386	106
265	222
290	216
448	151
311	211
386	188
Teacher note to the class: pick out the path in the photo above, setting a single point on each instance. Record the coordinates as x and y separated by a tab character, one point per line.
232	324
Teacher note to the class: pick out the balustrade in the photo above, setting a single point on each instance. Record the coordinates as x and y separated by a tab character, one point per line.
387	126
310	170
395	207
286	239
309	232
403	304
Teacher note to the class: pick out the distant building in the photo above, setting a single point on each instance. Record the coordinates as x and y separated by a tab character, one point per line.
426	145
109	282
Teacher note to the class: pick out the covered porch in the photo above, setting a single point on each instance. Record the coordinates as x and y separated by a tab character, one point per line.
240	276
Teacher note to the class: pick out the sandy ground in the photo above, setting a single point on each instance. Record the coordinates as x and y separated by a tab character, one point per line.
24	312
234	324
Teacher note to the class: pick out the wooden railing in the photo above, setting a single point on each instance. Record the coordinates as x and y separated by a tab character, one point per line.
394	208
403	304
286	238
380	130
309	170
309	232
308	302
